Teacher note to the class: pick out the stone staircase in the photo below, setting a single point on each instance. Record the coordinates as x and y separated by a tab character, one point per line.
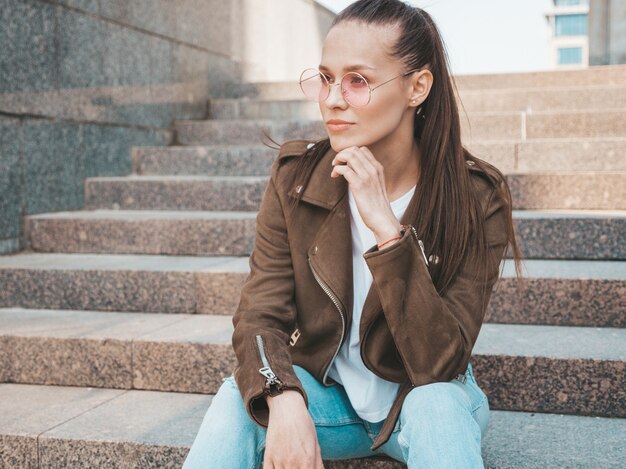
115	322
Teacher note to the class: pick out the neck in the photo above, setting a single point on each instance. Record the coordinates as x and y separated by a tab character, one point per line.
400	157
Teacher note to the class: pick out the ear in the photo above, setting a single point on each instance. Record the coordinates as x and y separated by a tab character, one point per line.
421	82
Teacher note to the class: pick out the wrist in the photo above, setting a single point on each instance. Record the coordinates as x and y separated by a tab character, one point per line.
390	232
286	395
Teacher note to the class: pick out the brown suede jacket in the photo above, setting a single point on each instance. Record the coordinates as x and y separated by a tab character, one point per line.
296	303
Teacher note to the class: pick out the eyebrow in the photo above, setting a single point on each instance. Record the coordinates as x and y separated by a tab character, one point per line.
350	68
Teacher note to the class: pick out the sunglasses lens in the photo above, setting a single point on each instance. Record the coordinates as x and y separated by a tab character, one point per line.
355	89
313	85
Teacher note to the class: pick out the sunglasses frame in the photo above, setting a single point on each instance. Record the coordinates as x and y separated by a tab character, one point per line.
369	97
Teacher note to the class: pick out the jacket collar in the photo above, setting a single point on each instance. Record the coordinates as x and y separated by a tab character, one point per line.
322	190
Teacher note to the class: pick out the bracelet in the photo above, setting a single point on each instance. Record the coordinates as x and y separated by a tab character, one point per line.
388	241
402	230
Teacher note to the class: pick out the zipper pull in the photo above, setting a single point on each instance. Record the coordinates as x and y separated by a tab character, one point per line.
421	243
294	337
269	374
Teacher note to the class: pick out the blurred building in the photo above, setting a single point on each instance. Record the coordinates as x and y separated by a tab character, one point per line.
607	32
570	39
587	32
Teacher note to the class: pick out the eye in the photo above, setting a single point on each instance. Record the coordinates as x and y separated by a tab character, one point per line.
356	80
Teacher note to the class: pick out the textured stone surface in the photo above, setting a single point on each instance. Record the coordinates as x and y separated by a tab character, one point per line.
28	46
571	234
26	411
209	160
554	301
243	131
176	192
170	358
11	182
569	190
602	123
542	155
562	98
124	431
573	190
111	283
546	234
146	232
531	440
107	148
193	353
556	292
54	166
582	154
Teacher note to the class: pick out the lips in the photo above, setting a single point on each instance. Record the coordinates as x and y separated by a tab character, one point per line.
338	121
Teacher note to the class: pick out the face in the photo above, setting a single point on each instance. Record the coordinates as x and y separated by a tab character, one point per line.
350	43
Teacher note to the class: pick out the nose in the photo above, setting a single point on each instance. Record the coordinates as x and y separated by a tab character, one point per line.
331	101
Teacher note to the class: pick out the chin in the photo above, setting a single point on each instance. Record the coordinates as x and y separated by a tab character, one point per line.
338	143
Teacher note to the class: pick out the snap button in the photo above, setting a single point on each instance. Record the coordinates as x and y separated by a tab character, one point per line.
470	163
298	189
310	145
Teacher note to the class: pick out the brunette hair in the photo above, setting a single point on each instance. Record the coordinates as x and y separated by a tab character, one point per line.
449	210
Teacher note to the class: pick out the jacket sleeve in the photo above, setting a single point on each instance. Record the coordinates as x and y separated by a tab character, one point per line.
265	315
435	334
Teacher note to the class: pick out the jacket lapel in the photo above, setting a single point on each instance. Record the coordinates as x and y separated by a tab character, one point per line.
331	250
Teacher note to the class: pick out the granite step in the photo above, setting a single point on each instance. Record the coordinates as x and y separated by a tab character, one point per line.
474	126
558	292
580	154
542	234
580	190
162	352
608	75
562	98
64	426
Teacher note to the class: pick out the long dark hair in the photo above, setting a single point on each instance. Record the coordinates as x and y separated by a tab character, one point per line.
449	211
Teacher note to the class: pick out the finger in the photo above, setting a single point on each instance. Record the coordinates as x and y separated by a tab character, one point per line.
377	166
365	165
350	157
357	167
348	173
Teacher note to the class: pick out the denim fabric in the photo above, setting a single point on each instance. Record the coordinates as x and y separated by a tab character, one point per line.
440	426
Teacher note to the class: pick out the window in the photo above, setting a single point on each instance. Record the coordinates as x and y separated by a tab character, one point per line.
571	25
570	55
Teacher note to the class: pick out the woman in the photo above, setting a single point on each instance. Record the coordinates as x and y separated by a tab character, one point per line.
375	255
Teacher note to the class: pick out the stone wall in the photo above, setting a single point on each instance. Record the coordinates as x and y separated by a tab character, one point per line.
82	81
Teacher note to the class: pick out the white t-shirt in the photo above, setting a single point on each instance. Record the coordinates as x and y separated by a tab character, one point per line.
370	395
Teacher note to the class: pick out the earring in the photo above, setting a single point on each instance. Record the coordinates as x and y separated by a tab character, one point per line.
419	110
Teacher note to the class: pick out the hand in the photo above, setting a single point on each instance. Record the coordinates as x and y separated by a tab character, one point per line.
366	180
291	440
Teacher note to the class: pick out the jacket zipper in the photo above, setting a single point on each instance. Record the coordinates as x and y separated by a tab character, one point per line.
266	370
420	242
343	321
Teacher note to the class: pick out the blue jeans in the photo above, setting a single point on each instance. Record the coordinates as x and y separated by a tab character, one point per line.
440	426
